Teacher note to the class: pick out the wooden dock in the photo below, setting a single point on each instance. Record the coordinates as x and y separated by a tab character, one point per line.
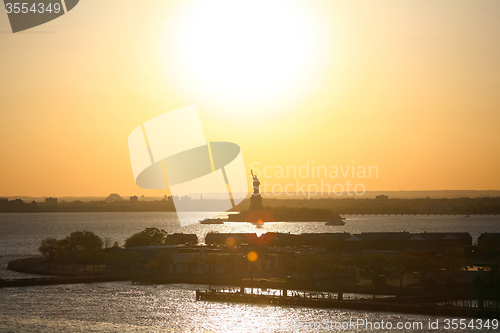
331	300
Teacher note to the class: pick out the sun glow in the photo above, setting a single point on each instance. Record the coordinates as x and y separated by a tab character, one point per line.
243	50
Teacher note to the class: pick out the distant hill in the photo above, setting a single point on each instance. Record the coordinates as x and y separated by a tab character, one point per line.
114	197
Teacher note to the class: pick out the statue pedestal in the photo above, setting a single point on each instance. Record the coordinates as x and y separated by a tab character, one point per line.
256	202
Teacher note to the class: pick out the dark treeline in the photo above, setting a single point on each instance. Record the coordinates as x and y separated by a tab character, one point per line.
486	205
82	248
384	205
19	206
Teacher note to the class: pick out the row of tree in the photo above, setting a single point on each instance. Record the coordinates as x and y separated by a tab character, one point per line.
149	236
85	241
80	247
85	247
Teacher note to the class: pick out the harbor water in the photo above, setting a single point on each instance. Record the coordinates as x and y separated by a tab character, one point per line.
123	307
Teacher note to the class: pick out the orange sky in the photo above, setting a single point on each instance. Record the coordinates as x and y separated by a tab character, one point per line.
412	87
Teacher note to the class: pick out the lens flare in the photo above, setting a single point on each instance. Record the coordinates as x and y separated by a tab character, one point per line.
230	241
252	256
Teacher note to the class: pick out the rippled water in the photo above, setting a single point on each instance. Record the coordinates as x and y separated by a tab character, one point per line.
21	233
122	307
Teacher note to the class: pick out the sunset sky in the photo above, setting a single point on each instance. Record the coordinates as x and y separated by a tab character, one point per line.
412	87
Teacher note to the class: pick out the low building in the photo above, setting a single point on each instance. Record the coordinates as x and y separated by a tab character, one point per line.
233	239
329	241
51	201
395	241
489	240
444	241
176	238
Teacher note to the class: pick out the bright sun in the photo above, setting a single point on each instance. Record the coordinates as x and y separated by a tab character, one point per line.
243	49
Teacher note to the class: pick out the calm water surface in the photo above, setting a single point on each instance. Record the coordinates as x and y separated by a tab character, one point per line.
121	307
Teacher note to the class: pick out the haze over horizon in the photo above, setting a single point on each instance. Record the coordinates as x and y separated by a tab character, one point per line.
434	194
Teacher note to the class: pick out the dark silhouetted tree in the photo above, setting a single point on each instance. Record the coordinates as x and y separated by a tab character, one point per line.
49	248
85	240
401	265
149	236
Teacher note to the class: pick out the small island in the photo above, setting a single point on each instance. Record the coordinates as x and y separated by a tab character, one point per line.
257	213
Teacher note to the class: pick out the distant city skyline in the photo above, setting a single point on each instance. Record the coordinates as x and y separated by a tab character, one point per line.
368	194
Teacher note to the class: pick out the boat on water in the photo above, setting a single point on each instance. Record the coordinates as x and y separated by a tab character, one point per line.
336	221
212	221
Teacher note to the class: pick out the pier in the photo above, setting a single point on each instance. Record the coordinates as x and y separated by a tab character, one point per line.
352	298
442	305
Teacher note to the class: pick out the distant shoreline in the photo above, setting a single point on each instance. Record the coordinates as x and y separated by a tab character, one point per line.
381	205
218	212
403	194
215	212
